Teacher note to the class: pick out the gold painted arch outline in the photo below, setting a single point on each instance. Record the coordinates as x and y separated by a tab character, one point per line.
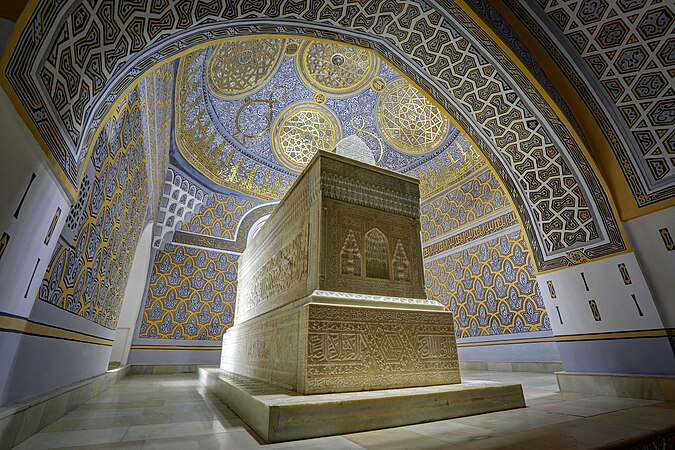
459	15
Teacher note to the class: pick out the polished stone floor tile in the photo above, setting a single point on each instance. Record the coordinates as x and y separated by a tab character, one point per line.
395	439
184	429
178	412
230	440
325	443
70	439
592	406
554	397
577	434
94	413
137	445
513	421
651	417
450	431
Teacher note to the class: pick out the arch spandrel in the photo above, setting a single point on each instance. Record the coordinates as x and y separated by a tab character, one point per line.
560	199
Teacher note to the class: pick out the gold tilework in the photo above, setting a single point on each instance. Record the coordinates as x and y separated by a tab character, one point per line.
159	109
335	69
89	278
301	130
408	121
490	288
448	168
626	49
219	217
473	198
191	294
199	143
450	54
239	68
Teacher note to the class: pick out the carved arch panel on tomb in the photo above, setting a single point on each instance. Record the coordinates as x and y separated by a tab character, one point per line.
380	248
377	254
350	255
376	258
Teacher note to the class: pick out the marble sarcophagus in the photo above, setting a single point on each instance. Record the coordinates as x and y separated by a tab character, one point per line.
331	290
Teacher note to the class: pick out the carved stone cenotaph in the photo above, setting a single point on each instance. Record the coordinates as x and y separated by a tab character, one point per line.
331	290
331	301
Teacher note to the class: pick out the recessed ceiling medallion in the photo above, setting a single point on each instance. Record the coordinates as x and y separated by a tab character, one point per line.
260	132
334	69
301	130
238	68
408	121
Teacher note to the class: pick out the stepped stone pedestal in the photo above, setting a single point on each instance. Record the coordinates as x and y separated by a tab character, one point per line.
331	301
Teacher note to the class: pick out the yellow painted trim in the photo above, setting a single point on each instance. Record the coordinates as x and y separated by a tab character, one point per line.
73	191
469	225
214	42
576	337
37	329
600	146
599	258
459	127
506	341
467	9
476	147
616	335
173	347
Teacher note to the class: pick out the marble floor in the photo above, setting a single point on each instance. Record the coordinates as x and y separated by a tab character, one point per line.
177	412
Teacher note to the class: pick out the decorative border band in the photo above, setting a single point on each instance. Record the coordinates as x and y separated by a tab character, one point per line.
174	347
16	324
492	226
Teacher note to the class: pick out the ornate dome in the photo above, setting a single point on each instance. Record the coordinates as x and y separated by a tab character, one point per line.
251	113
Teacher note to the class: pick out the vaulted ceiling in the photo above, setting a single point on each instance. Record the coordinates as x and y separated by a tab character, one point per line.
69	66
249	114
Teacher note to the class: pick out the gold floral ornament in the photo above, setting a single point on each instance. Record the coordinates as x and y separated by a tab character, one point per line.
408	121
301	130
334	69
239	68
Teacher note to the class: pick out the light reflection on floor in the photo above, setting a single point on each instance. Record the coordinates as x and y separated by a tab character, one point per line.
176	411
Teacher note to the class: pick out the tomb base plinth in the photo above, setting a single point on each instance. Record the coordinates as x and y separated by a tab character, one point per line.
323	344
277	414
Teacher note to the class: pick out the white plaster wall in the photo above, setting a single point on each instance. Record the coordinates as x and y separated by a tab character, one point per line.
606	286
20	272
658	263
133	296
21	157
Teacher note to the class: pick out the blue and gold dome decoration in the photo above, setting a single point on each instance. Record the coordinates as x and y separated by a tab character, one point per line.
301	130
250	113
408	121
336	70
238	68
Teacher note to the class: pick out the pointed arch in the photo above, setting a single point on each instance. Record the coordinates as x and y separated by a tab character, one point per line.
377	254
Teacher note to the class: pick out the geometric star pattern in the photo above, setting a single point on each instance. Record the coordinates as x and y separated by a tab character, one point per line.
627	49
490	288
100	49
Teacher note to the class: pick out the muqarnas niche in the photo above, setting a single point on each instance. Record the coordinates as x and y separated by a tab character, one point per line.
331	290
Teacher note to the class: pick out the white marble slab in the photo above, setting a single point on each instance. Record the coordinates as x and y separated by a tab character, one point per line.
278	415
